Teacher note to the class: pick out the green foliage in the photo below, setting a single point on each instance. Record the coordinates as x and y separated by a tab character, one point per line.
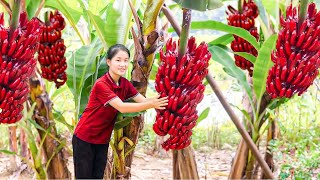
220	55
97	6
82	65
118	22
123	119
262	66
222	40
300	160
264	18
203	115
70	9
245	55
151	16
297	151
100	28
32	7
215	25
215	136
201	5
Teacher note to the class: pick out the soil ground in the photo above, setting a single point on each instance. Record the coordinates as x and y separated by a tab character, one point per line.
211	165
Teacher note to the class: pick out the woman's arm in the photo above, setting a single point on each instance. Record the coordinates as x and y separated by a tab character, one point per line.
139	98
127	107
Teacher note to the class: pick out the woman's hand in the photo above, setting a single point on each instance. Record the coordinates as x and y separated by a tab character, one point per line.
158	103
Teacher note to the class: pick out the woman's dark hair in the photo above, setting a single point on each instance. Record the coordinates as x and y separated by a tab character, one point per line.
113	50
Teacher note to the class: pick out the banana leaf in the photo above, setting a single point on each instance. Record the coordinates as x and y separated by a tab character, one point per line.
123	119
262	66
204	114
215	25
200	5
223	40
113	22
32	7
81	65
97	6
221	56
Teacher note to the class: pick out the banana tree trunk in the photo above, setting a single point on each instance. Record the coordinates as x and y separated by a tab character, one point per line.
184	164
13	146
132	131
244	163
23	144
239	161
53	144
273	133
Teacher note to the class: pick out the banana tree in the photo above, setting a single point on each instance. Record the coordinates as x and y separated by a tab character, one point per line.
146	44
245	163
220	54
225	39
51	143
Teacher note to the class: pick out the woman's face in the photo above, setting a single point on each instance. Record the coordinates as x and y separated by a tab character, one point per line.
119	63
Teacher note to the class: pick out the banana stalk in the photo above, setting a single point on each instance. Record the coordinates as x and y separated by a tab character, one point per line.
118	148
35	153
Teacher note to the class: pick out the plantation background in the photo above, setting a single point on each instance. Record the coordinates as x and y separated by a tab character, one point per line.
296	151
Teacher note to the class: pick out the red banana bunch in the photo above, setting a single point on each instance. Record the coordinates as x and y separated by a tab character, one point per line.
182	83
17	64
52	49
245	20
296	57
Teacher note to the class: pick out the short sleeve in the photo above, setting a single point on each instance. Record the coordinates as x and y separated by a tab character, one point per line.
103	93
131	91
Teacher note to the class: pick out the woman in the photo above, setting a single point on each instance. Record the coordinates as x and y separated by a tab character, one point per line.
91	137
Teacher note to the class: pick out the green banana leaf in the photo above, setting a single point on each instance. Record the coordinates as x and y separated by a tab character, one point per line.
245	55
221	56
215	25
271	7
204	114
100	28
154	69
200	5
262	66
223	40
123	119
101	69
32	7
118	22
263	16
53	92
58	116
151	15
69	9
81	65
113	25
103	66
97	6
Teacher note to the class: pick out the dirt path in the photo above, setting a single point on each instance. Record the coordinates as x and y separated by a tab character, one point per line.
213	165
